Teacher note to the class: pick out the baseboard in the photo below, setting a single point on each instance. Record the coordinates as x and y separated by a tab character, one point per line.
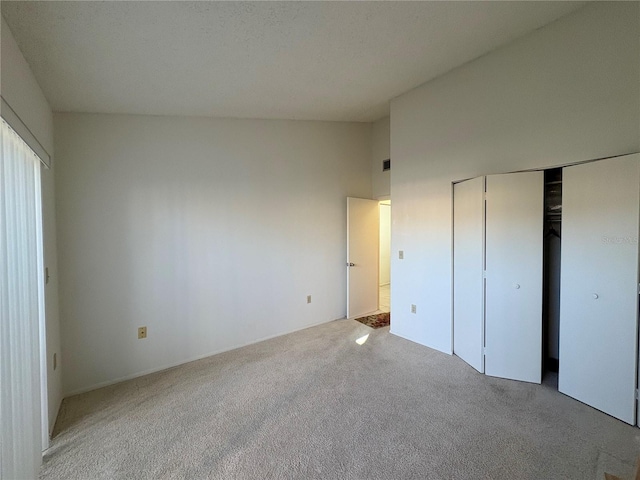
402	336
189	360
418	343
53	425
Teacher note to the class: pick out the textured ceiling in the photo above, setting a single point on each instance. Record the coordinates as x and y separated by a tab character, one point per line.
290	60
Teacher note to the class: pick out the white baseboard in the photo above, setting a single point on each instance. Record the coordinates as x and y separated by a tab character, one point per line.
53	425
421	344
189	360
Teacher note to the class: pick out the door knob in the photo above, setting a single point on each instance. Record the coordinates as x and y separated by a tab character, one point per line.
517	286
595	296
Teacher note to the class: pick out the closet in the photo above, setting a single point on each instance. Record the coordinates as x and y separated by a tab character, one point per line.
599	285
513	274
498	221
551	274
468	271
545	276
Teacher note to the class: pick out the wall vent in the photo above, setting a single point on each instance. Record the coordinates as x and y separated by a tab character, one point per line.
386	165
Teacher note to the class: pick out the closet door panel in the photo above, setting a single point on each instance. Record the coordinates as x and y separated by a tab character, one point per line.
599	285
468	265
514	245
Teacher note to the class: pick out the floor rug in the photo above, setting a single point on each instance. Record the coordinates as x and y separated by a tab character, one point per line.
376	321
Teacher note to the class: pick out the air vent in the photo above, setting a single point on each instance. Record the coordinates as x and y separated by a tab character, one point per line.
386	165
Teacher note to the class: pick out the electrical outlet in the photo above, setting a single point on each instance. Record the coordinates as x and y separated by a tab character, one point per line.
55	361
413	308
401	254
142	332
308	298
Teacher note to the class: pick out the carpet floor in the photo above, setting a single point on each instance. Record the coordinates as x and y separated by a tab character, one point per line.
314	405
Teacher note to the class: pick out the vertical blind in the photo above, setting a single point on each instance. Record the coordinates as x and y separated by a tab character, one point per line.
21	292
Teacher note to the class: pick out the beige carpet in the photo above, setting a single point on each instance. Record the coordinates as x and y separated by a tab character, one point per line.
315	404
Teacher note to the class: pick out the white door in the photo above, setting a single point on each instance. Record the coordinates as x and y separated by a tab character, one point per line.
514	236
599	284
363	237
468	266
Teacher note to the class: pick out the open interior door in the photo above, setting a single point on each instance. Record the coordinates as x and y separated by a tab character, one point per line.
363	239
599	285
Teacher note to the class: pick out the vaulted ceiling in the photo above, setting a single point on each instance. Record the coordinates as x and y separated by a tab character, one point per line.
290	60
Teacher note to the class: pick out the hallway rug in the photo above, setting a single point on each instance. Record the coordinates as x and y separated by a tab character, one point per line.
376	321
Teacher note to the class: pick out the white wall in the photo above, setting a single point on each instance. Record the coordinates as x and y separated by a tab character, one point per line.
567	92
54	347
385	244
380	151
381	185
20	89
211	232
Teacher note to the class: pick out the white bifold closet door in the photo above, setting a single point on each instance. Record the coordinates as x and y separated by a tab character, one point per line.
514	241
599	285
468	266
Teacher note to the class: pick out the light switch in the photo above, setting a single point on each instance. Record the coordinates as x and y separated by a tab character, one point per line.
401	254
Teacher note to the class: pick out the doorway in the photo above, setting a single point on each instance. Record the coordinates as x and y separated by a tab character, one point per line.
368	256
